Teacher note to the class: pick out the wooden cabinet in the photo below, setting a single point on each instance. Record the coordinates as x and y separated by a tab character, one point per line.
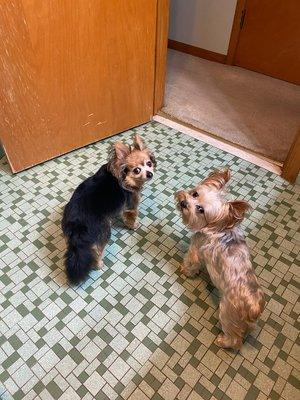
73	72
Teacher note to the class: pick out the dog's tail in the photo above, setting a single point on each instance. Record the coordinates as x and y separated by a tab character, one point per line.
79	263
79	257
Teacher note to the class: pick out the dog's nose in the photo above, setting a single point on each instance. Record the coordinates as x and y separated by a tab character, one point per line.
149	175
183	204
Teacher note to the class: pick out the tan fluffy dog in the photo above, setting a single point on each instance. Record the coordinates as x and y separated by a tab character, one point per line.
219	243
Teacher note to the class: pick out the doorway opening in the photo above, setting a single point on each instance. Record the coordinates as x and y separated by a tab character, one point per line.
214	84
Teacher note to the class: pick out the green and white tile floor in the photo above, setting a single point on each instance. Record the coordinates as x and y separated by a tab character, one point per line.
138	329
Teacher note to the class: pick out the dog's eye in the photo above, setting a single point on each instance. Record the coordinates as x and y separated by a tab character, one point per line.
137	170
195	194
200	209
149	164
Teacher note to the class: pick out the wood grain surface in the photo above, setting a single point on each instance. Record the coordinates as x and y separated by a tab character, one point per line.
73	72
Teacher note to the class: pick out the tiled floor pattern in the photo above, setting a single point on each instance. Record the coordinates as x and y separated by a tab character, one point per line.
139	329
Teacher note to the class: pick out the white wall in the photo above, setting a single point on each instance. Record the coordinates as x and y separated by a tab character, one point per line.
202	23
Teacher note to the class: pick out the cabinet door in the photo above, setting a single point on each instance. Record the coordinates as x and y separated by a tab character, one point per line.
72	72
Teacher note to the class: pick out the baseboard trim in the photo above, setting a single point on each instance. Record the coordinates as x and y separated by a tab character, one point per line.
206	137
197	51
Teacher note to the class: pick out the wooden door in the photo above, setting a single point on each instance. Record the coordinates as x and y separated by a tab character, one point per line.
72	72
269	41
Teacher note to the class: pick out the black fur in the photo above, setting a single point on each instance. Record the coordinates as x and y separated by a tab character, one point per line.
87	221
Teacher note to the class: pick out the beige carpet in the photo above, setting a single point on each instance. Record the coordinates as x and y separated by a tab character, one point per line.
253	110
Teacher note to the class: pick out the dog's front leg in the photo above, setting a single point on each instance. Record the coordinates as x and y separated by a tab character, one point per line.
192	261
130	214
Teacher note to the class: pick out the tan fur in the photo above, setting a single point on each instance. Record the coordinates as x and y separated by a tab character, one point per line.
219	243
98	252
123	160
130	216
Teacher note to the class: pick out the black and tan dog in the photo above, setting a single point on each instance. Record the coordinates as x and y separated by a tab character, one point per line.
114	190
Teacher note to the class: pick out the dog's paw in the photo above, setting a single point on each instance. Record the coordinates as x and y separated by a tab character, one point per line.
100	265
220	340
133	226
189	271
227	342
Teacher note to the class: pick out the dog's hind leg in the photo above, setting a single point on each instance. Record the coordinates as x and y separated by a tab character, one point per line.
102	240
98	253
233	327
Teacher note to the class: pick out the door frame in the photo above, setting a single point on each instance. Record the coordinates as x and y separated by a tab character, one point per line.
291	166
162	33
239	15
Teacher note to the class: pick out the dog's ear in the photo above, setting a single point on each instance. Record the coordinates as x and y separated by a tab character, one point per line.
153	160
121	150
217	179
236	211
117	158
138	143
